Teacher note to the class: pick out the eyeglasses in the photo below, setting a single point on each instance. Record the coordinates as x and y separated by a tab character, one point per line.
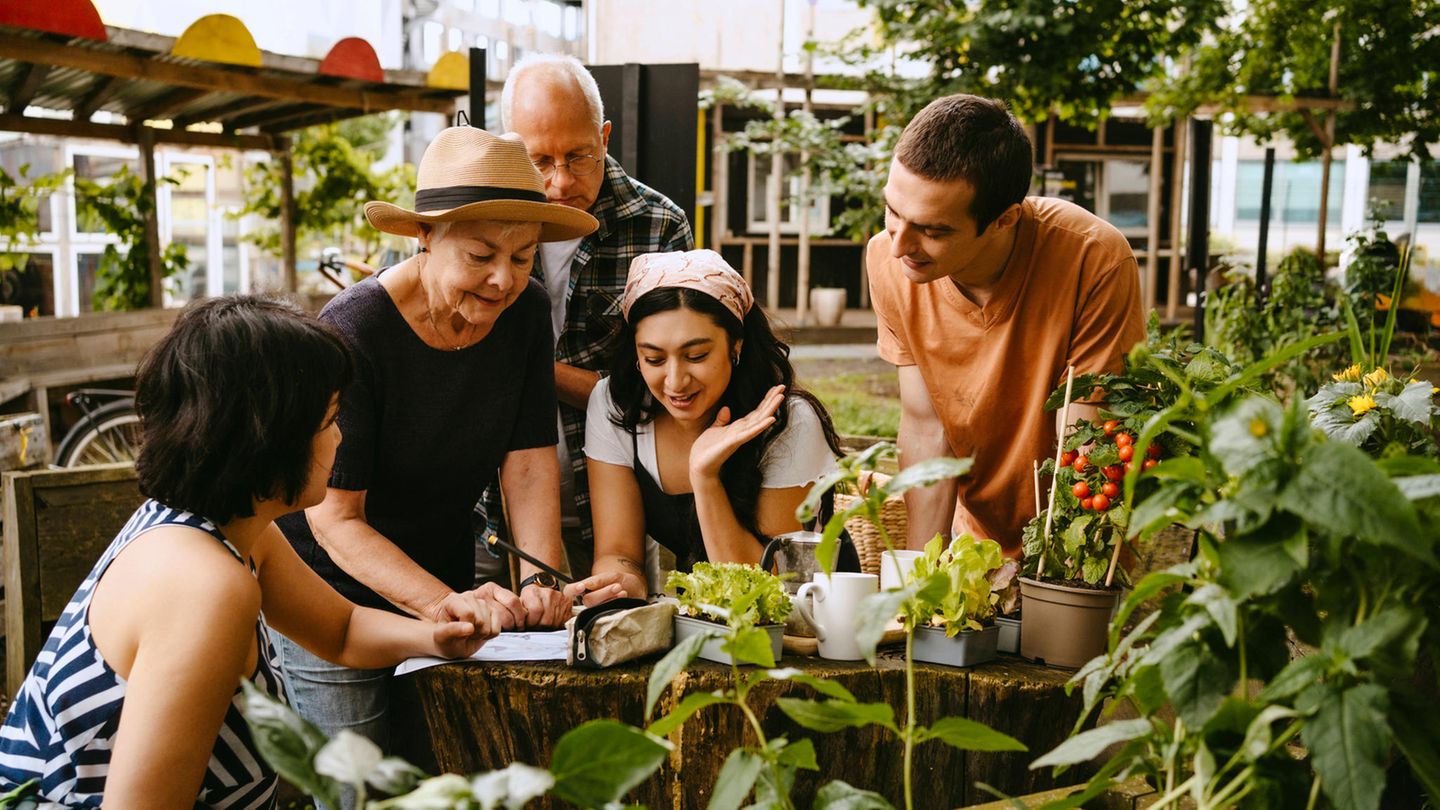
577	166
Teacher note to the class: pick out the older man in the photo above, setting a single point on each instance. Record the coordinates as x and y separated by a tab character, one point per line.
553	104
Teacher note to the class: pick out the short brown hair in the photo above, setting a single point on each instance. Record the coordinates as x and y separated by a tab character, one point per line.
974	139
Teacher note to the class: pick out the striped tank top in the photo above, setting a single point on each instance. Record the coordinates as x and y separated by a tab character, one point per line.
62	724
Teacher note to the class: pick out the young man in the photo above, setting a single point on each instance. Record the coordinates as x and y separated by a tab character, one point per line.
553	104
984	297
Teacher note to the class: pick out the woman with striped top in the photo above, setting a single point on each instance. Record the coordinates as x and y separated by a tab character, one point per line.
134	700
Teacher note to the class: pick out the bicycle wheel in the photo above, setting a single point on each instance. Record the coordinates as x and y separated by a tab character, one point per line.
107	435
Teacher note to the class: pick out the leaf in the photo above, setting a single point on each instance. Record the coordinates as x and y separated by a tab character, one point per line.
968	735
1196	680
288	743
1087	745
446	790
925	473
1250	567
1348	739
838	795
1341	490
750	645
875	613
799	754
348	757
821	685
692	703
833	715
1391	631
1258	736
1414	728
736	779
393	776
1418	487
1220	606
810	507
1296	676
515	786
600	761
1244	436
673	664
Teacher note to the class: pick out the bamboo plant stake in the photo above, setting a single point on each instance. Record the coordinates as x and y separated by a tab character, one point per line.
1059	449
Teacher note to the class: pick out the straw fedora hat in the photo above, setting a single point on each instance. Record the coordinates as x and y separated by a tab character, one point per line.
468	174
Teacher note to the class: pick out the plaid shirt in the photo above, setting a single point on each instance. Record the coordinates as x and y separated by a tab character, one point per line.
634	219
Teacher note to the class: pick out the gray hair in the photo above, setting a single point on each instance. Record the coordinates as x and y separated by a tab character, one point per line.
556	65
439	230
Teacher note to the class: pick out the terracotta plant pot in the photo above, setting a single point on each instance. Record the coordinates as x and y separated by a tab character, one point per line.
1063	626
687	626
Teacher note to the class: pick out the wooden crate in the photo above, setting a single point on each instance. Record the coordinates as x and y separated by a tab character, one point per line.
57	524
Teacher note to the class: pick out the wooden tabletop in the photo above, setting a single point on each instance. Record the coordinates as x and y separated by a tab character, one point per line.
482	716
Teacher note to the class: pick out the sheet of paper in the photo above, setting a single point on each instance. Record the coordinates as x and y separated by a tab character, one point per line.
522	646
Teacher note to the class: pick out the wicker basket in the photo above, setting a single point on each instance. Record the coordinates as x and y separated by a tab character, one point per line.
866	537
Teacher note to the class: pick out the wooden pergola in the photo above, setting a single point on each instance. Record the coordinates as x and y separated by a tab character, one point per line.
168	98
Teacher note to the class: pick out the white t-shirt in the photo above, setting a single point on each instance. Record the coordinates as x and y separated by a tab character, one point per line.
799	456
555	259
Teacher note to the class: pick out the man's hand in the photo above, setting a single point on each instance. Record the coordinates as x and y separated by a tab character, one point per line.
509	607
544	607
460	639
596	589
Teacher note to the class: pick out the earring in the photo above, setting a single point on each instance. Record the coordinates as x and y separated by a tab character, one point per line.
424	249
735	360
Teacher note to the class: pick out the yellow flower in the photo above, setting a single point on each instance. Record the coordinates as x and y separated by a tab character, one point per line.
1351	374
1376	377
1361	403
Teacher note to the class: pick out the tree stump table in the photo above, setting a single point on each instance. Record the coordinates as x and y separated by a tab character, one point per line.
470	717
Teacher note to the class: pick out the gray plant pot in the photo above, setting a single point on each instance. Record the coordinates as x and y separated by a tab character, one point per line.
687	627
1009	635
967	648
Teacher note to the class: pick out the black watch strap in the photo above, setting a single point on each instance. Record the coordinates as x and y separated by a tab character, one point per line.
542	579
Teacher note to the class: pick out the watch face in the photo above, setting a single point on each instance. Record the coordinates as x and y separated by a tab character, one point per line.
545	581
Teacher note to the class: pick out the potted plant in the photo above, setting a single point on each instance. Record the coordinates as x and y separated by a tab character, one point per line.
1005	584
1072	580
732	595
959	630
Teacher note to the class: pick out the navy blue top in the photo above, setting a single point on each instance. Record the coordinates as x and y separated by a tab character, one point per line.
423	430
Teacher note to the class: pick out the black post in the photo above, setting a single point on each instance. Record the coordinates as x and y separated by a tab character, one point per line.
477	88
1262	284
1197	246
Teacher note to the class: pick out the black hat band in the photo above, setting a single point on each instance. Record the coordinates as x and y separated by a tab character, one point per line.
445	198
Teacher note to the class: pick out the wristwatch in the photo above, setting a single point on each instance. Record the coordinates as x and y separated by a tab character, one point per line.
542	579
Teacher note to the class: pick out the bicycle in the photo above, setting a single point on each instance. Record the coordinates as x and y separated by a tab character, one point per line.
106	434
333	267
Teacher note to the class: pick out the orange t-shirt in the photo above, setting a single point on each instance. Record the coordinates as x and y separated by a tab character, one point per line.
1070	295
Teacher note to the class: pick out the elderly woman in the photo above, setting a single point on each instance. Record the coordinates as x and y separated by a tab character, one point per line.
135	699
454	382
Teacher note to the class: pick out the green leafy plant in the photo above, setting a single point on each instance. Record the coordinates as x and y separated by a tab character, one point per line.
971	601
1301	540
1382	415
20	198
730	593
120	207
593	765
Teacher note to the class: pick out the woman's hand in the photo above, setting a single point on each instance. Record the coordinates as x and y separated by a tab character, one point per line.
460	639
596	589
723	437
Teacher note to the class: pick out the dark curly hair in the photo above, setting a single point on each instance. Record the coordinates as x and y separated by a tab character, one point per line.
764	363
229	402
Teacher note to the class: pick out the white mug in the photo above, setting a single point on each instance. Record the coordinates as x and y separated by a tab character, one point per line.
896	567
830	603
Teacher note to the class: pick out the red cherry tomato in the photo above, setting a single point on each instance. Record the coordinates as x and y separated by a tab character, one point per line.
1113	472
1088	503
1080	490
1124	439
1110	426
1149	462
1127	452
1110	488
1068	457
1081	464
1100	502
1153	451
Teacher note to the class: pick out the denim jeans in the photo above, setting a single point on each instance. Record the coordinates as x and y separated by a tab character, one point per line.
333	697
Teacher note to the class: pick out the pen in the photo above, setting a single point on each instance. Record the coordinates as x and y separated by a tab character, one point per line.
510	547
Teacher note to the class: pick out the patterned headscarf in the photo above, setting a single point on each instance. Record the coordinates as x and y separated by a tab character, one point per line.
702	270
